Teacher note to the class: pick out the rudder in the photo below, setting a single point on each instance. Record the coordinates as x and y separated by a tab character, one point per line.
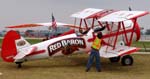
9	49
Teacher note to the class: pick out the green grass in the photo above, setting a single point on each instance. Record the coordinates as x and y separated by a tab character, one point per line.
34	41
144	45
141	44
74	68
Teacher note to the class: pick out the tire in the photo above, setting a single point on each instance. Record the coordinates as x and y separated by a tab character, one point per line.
114	59
127	60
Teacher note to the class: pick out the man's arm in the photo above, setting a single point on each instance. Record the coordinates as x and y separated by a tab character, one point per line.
103	42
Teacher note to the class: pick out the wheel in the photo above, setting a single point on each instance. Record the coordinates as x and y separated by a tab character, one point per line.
114	59
127	60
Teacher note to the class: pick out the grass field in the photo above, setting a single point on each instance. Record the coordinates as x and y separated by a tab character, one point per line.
73	67
141	44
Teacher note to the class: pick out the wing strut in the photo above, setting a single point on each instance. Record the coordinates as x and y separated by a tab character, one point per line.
131	37
119	25
125	33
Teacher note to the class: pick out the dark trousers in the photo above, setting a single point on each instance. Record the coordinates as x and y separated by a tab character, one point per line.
94	54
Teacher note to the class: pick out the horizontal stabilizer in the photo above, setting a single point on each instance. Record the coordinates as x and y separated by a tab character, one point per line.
24	52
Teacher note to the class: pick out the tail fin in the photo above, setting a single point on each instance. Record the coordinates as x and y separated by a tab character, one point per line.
10	45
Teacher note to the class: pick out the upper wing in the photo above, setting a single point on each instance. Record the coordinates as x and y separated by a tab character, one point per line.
119	16
86	13
108	15
109	52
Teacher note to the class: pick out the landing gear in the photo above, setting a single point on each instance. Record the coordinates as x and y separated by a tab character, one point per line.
114	59
19	64
127	60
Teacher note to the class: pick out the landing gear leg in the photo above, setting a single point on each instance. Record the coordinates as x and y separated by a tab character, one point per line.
19	64
114	59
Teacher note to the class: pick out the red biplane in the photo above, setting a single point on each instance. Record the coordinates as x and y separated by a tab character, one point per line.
121	29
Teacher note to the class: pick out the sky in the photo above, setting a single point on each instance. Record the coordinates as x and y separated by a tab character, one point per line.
14	12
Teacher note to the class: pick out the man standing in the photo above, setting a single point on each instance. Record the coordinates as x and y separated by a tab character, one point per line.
95	53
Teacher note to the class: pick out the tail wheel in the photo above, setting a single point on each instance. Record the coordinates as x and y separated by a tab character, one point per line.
127	60
19	64
114	59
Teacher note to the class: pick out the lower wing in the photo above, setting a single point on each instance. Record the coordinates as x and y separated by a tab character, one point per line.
108	52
